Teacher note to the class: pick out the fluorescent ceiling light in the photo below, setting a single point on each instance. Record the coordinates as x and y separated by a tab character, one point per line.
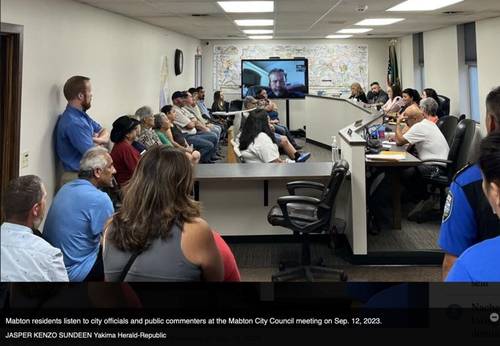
339	36
261	37
354	31
246	6
423	5
258	31
379	21
254	22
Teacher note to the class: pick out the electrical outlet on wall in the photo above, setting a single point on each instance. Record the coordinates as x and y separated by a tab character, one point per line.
25	159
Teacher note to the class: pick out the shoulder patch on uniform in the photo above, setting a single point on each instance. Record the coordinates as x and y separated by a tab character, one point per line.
469	164
448	207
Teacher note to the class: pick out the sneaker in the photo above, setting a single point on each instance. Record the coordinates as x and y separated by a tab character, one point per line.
303	157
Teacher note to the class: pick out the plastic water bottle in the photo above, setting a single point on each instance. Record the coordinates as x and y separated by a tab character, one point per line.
335	150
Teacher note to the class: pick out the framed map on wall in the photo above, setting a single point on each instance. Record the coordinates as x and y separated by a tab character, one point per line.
332	67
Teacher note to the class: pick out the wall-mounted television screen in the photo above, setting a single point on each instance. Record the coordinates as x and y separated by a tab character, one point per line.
281	78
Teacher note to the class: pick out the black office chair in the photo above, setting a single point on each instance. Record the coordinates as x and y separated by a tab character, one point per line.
448	125
458	157
236	105
462	117
444	104
305	215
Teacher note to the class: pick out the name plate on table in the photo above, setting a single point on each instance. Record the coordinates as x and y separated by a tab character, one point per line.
388	156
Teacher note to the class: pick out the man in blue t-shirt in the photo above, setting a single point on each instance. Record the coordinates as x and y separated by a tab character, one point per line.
480	262
468	218
77	216
75	131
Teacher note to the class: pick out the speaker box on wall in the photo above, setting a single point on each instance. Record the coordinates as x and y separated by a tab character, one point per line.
178	62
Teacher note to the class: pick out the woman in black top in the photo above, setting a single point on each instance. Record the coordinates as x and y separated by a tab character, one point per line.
357	93
428	92
219	104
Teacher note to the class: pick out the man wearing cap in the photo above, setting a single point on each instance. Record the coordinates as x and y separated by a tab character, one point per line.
75	131
125	156
204	142
77	216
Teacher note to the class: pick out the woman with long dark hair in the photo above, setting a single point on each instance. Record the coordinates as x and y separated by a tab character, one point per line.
219	104
410	97
479	263
257	141
158	228
429	92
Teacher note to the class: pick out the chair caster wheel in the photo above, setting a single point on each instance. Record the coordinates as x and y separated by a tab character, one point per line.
343	277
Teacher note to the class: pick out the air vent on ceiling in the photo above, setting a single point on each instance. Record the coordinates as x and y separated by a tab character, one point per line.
200	15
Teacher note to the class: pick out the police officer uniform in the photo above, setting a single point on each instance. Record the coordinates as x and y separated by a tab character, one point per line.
467	218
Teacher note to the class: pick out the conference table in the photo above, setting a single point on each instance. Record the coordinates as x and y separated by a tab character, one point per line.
393	169
236	197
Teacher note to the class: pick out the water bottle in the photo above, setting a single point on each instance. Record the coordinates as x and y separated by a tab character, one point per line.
335	150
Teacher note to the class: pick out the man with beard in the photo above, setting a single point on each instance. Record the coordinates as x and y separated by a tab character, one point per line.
76	131
25	255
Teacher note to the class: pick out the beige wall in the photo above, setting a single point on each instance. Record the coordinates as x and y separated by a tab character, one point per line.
441	64
406	61
120	55
488	55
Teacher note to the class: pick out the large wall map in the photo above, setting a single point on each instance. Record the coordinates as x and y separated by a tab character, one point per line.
332	67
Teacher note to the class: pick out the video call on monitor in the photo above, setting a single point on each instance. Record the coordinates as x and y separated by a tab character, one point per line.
281	78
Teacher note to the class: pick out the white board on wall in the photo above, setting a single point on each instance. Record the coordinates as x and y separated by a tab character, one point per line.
332	67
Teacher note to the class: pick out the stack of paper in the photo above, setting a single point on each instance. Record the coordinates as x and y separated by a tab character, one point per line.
388	155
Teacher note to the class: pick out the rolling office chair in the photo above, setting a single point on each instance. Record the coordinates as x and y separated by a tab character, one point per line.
444	104
458	157
304	215
235	105
448	125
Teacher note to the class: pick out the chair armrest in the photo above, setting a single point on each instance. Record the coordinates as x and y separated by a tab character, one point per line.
292	186
437	160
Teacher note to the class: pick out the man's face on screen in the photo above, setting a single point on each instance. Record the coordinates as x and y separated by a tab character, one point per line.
277	83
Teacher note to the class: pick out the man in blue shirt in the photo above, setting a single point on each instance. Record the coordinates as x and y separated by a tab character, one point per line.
480	262
75	131
468	217
76	219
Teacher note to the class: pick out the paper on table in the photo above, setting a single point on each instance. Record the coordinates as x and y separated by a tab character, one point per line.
387	155
389	142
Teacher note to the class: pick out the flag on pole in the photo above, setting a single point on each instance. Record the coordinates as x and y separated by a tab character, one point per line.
392	68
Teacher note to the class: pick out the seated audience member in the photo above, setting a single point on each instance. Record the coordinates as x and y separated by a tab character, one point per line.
429	143
376	95
257	141
468	217
75	130
204	142
231	271
219	105
410	97
77	216
479	263
249	103
207	115
395	102
431	93
125	156
192	107
163	128
272	110
25	256
147	135
429	107
357	93
169	242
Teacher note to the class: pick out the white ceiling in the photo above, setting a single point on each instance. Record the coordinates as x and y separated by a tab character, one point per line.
294	19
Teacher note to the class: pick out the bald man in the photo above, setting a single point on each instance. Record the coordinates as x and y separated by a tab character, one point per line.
429	143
